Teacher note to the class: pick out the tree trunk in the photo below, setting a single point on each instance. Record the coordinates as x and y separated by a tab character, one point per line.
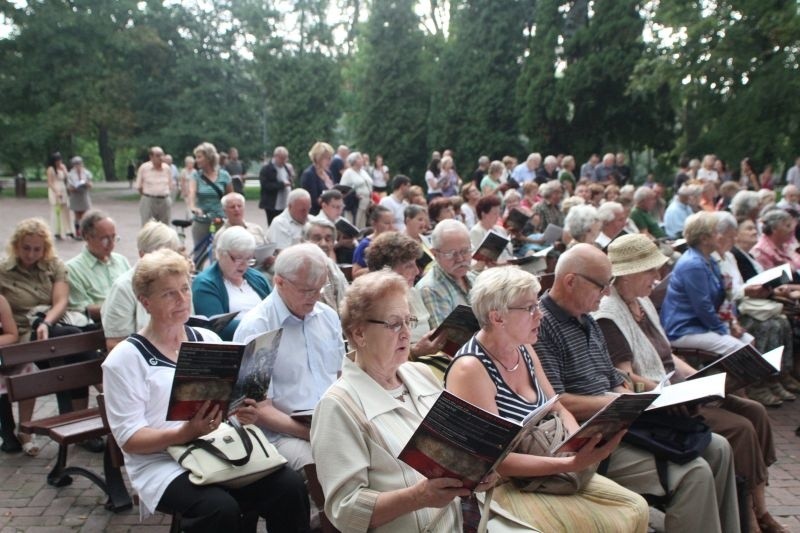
106	153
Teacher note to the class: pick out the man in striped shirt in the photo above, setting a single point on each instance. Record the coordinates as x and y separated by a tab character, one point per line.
574	355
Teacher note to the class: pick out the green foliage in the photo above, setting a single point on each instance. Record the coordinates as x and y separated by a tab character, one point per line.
391	92
473	88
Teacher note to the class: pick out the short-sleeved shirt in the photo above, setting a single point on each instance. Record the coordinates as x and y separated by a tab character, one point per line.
310	353
398	210
207	198
152	181
573	352
137	379
285	231
27	288
90	279
442	294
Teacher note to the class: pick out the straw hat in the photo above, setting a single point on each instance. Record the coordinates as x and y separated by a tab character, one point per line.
631	254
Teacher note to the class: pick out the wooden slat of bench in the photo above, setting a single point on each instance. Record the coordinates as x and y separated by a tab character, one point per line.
50	380
31	352
75	416
69	428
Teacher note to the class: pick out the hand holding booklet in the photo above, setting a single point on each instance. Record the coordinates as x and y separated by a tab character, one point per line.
224	373
459	326
462	441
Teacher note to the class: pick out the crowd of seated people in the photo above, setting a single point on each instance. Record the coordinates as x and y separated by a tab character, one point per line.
381	294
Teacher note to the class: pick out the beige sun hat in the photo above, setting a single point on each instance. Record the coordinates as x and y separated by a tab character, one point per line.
631	254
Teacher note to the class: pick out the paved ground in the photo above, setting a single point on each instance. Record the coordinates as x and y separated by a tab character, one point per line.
28	504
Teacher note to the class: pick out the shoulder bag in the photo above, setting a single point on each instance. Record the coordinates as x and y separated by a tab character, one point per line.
232	456
542	440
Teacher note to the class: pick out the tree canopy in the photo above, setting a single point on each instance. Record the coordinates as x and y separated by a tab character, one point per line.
399	77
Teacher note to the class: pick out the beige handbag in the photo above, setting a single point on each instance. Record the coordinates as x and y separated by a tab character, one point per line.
232	456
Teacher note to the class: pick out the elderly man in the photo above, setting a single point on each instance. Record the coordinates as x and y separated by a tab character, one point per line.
276	181
574	355
287	228
527	171
339	162
323	233
587	169
92	272
449	280
644	200
121	312
606	172
549	209
233	206
549	171
613	218
790	195
310	353
154	182
680	208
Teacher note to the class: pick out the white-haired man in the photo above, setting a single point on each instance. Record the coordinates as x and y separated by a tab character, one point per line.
613	217
154	183
606	172
680	208
276	181
310	353
790	198
287	228
449	280
527	171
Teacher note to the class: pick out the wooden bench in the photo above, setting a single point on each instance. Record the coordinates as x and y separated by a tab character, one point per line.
73	427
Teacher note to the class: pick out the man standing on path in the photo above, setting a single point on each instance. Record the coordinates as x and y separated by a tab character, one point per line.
154	183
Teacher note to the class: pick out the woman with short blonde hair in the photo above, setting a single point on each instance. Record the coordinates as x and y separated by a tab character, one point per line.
316	178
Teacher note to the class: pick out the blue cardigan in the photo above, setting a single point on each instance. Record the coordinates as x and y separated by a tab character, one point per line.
211	297
694	294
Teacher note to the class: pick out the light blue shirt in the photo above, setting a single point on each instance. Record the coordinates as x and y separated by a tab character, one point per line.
310	354
522	173
675	217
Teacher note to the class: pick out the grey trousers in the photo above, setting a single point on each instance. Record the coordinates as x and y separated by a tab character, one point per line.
698	487
159	209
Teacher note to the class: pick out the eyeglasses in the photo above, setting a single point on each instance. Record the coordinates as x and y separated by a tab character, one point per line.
305	292
530	309
602	286
464	252
395	327
249	261
106	241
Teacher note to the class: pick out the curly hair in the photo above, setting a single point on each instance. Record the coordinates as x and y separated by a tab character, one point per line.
390	249
35	227
365	297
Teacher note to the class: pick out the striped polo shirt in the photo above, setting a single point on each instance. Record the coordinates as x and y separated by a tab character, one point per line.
573	352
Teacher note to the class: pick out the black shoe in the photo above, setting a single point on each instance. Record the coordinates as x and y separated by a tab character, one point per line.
11	444
96	445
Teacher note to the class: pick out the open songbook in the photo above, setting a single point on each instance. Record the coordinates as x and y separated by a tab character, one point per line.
772	277
743	367
459	440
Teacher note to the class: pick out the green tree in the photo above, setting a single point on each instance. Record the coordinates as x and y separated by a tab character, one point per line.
391	93
472	107
540	94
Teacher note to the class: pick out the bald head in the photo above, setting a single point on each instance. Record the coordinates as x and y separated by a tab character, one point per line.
582	278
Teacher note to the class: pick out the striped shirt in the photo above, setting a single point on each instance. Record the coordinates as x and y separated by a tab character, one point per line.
573	352
510	405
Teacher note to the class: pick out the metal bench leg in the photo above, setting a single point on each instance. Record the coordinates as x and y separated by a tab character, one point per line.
175	525
57	476
118	497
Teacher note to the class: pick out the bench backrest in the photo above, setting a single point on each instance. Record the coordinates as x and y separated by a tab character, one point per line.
52	380
35	351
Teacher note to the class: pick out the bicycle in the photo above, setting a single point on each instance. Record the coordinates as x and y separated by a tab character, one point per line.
203	250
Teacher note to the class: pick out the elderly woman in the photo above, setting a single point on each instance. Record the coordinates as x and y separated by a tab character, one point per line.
400	253
322	232
583	224
488	210
746	204
137	379
777	243
497	370
79	181
365	419
439	209
448	178
357	177
57	196
695	293
640	350
209	184
490	183
316	178
231	284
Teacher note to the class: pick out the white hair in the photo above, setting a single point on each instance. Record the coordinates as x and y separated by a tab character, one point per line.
448	225
320	223
497	288
743	203
534	156
690	190
351	159
608	211
280	150
305	257
231	196
642	194
511	194
550	160
547	189
235	239
726	221
297	194
787	189
156	235
580	219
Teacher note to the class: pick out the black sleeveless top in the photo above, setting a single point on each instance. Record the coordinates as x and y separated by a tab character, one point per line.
510	405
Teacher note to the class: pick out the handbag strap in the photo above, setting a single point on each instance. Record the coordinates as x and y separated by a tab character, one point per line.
485	510
207	446
212	185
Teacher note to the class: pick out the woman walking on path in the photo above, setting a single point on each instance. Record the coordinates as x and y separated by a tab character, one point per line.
79	181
